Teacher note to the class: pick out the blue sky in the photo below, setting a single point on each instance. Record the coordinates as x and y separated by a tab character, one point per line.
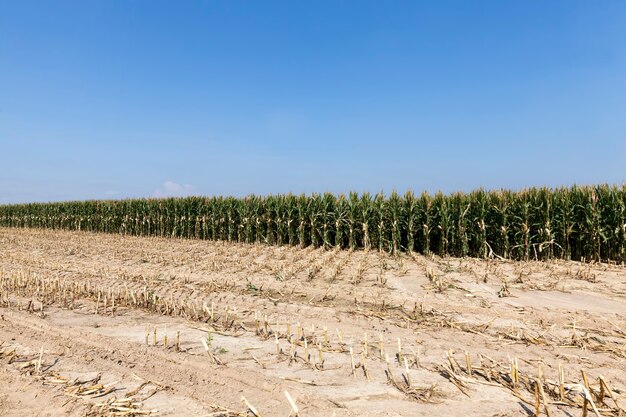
117	99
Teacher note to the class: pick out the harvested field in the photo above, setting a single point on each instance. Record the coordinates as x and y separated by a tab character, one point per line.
110	325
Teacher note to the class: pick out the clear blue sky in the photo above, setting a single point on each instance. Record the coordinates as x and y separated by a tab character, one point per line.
115	99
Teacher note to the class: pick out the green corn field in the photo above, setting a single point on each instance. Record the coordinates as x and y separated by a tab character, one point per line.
579	223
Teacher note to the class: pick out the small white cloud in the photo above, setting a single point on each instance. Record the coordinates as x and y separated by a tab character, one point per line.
111	193
173	189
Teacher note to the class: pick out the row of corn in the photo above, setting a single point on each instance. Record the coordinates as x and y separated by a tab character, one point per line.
537	223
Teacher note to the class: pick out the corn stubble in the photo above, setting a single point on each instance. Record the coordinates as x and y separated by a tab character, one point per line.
537	391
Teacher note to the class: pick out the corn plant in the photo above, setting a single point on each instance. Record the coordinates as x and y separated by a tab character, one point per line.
539	223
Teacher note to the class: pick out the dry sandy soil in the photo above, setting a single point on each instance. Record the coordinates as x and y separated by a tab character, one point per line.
247	323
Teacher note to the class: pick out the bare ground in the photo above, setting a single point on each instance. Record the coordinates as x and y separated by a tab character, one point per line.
78	313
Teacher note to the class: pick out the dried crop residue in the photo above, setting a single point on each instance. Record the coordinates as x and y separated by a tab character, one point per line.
96	324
